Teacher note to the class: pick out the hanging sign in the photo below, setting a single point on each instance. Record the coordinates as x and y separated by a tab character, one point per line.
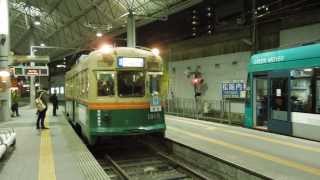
30	70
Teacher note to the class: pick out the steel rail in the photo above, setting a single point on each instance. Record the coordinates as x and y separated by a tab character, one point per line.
175	162
183	166
118	168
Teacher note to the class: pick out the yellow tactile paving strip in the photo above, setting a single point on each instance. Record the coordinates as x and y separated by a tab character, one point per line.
46	161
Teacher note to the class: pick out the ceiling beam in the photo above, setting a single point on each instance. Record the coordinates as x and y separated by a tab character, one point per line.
25	35
55	7
75	18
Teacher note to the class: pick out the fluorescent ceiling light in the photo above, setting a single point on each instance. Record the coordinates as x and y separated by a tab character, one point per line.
61	66
99	34
37	23
4	73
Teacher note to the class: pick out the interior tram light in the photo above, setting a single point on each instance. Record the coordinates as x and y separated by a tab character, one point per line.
155	51
106	48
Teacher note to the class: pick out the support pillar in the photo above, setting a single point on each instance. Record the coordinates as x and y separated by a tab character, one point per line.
254	28
32	78
32	89
131	30
4	56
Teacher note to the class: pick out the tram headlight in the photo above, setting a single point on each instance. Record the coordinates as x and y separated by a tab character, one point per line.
106	48
155	51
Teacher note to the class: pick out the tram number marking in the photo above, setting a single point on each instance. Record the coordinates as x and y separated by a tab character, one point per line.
155	108
154	116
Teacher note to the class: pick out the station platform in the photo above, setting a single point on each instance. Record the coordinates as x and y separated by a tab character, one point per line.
50	154
271	155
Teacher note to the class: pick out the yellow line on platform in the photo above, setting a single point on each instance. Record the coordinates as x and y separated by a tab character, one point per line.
46	161
268	139
276	159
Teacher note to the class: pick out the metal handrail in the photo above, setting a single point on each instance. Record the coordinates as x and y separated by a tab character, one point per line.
215	110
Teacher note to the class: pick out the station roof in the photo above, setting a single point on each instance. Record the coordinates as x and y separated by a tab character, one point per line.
73	24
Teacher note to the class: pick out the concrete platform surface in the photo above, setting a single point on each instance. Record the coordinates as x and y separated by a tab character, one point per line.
56	153
271	155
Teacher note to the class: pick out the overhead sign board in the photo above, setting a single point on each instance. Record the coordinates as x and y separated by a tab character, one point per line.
130	62
30	70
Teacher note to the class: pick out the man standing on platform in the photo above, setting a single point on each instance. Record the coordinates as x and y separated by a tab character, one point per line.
15	105
54	101
41	105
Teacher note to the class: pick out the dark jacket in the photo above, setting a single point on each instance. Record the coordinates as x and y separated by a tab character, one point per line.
54	99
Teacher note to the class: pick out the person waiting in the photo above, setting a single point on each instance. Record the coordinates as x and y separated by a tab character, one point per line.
15	105
55	103
41	105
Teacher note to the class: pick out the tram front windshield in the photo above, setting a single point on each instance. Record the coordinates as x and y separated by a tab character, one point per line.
131	84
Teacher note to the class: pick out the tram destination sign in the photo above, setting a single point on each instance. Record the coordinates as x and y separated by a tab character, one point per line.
130	62
267	60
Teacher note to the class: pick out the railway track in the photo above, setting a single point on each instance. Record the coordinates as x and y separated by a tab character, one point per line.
136	160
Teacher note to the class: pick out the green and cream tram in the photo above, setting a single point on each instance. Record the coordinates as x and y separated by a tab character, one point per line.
116	92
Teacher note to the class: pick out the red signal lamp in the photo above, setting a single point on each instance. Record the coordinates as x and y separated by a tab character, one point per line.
197	81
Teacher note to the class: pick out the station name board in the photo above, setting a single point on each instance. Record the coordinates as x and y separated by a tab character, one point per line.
233	89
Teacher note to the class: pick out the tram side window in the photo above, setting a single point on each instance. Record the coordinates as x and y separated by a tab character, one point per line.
105	84
301	91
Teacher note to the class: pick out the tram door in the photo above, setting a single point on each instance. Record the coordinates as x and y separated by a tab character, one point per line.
261	102
279	115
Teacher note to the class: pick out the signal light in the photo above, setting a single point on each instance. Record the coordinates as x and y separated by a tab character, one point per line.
197	81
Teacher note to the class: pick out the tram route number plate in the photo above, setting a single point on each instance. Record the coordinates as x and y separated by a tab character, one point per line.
155	108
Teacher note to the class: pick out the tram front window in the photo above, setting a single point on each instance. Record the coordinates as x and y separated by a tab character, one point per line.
131	83
105	84
154	83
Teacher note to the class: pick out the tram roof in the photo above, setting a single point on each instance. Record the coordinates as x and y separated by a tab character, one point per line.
292	58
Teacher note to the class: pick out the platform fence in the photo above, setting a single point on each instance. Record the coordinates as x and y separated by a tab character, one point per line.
211	110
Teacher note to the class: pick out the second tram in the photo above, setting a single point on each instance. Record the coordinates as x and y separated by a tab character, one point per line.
283	92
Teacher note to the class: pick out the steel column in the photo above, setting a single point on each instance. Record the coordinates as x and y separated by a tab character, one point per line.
131	30
4	55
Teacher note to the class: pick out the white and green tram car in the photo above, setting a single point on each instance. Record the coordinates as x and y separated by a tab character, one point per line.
115	92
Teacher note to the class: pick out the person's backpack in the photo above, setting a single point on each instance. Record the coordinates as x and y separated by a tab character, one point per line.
39	104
